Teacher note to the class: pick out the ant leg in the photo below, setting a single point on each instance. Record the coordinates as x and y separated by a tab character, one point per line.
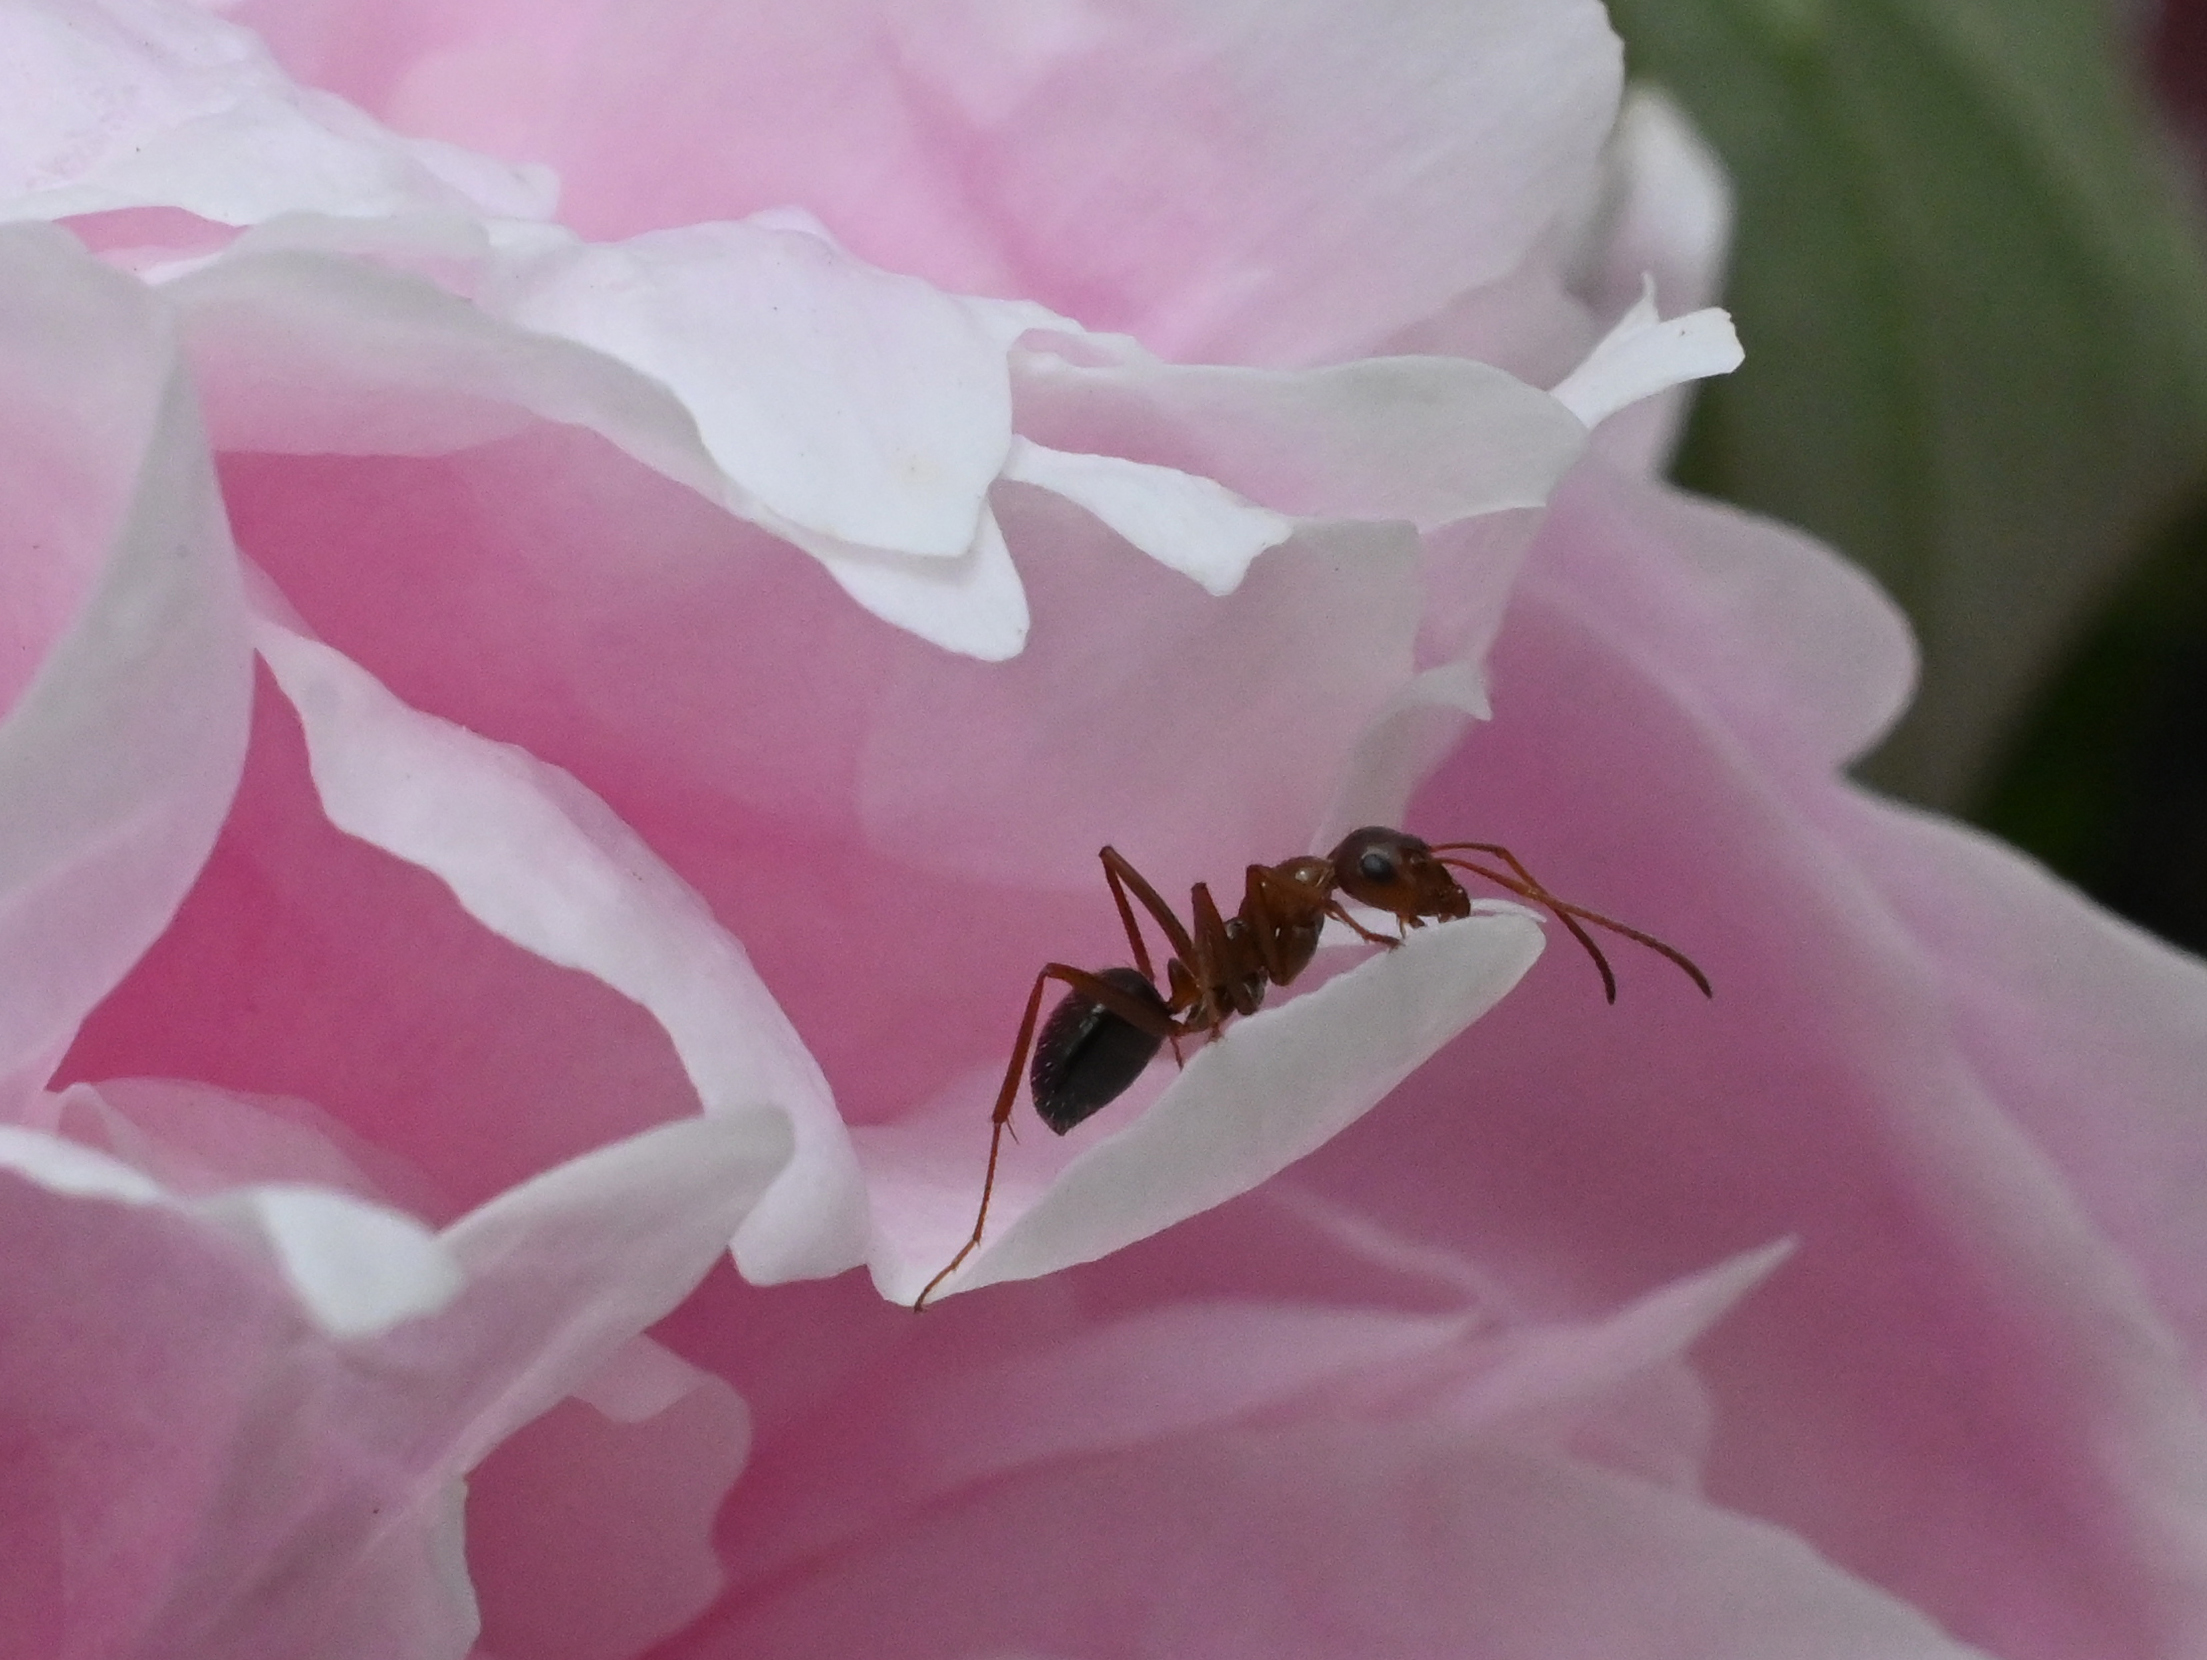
1263	917
1101	992
1122	875
1279	908
1335	910
1215	967
998	1119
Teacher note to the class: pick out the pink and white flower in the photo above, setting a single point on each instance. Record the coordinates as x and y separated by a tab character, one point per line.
543	748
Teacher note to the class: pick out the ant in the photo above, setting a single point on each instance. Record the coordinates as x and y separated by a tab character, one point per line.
1109	1025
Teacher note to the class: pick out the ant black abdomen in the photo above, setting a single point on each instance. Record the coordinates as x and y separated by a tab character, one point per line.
1086	1056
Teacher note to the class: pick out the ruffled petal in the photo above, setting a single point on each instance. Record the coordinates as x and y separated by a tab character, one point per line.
838	401
1193	524
540	861
1024	1380
216	1467
1428	439
998	148
126	675
115	104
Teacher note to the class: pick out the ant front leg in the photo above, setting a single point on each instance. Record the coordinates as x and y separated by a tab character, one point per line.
1286	907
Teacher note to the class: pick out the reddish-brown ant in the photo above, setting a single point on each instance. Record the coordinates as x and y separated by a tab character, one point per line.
1109	1025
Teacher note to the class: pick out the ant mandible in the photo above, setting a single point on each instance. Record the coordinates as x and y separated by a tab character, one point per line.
1109	1025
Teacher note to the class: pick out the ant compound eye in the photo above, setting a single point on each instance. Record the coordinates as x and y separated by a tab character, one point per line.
1376	866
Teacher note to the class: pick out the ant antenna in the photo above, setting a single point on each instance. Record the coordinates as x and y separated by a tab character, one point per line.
1526	887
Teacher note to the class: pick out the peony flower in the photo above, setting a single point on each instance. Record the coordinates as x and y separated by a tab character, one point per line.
588	774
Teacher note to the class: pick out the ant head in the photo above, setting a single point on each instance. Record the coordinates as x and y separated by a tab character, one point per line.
1397	873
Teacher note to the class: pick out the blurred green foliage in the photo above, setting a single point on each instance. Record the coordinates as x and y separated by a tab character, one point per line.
2108	780
1975	309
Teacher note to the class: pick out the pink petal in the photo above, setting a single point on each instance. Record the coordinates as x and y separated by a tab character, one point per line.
720	695
1957	1387
1320	1540
154	1364
194	1140
908	1416
1017	775
1798	653
1416	729
299	350
589	1535
305	963
574	1263
2087	1029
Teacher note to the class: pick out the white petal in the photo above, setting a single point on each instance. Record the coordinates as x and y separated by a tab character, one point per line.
1645	354
64	1167
119	757
357	1269
853	403
1275	1087
973	605
1428	439
1194	525
572	1264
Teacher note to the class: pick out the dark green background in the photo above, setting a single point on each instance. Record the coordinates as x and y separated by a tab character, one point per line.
1968	270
